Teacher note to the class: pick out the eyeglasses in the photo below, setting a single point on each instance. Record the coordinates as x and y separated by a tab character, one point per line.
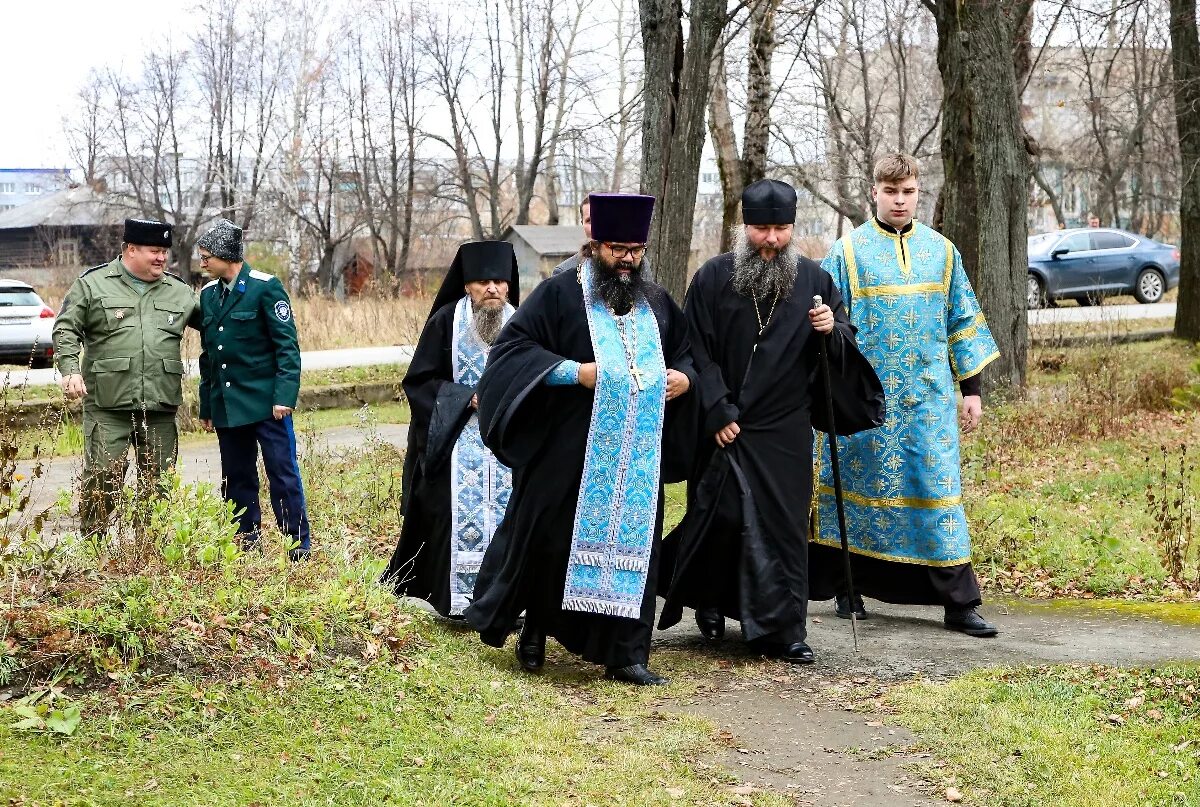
620	252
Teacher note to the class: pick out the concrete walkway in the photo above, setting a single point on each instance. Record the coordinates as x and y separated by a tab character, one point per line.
1114	314
309	360
787	730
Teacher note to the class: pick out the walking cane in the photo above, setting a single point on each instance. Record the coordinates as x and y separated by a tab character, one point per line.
837	476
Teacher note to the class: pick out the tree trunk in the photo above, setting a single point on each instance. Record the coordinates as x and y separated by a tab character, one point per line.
673	128
1185	62
729	164
758	90
1055	203
984	201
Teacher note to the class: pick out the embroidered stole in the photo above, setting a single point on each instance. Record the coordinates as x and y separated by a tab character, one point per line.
618	495
479	483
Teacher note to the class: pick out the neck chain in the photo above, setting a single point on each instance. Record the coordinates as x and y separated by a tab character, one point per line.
762	326
629	344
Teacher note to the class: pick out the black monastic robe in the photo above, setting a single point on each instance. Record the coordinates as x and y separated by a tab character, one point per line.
439	407
541	432
742	546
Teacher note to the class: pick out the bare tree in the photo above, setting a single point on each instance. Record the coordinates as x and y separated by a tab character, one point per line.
159	122
675	97
861	80
1185	63
383	85
985	197
87	129
737	171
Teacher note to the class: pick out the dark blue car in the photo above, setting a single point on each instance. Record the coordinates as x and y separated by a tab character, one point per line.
1090	264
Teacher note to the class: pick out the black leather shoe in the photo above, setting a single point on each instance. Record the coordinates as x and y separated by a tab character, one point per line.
794	653
638	674
711	623
298	554
968	621
843	607
531	649
797	653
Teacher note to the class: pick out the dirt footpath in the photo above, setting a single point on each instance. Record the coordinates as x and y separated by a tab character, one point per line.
787	729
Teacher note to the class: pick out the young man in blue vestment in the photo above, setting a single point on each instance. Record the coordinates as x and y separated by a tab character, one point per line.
921	327
575	399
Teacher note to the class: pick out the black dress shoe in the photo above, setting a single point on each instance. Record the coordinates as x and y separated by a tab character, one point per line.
968	621
797	653
711	623
794	653
638	674
843	607
531	649
298	554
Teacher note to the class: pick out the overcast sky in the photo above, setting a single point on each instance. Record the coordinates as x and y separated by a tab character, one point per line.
48	48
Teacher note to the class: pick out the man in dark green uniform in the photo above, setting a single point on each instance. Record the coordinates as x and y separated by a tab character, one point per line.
127	319
249	382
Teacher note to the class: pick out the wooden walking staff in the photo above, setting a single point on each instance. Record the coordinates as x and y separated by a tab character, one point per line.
837	476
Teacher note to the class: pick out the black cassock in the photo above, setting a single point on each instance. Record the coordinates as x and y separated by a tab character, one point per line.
541	432
420	566
742	547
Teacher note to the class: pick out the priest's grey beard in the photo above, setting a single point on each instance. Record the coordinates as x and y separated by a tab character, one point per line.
619	293
759	279
489	319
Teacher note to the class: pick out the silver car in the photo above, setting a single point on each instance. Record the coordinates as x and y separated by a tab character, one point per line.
26	326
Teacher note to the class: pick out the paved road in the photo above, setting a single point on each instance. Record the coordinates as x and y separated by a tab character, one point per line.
309	360
1101	313
399	354
198	462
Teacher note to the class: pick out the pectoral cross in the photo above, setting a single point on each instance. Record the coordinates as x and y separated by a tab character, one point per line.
636	373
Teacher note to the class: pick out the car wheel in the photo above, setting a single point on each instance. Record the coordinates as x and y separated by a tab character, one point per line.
1035	292
1150	286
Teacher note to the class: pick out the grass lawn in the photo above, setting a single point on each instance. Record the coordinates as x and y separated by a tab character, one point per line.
179	670
1063	736
167	667
449	723
1073	489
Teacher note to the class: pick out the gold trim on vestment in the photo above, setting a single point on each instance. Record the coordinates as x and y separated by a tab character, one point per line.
995	355
851	264
941	564
899	289
895	501
969	331
949	271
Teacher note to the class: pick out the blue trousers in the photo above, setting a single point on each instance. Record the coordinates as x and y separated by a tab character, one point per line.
239	477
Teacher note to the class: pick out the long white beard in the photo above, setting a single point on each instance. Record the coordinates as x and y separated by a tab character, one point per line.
761	279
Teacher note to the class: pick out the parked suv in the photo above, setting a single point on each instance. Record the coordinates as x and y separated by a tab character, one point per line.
1090	264
26	325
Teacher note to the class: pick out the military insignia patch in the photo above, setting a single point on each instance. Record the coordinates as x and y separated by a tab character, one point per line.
283	311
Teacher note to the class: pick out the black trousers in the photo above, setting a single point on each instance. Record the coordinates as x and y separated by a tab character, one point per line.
239	477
